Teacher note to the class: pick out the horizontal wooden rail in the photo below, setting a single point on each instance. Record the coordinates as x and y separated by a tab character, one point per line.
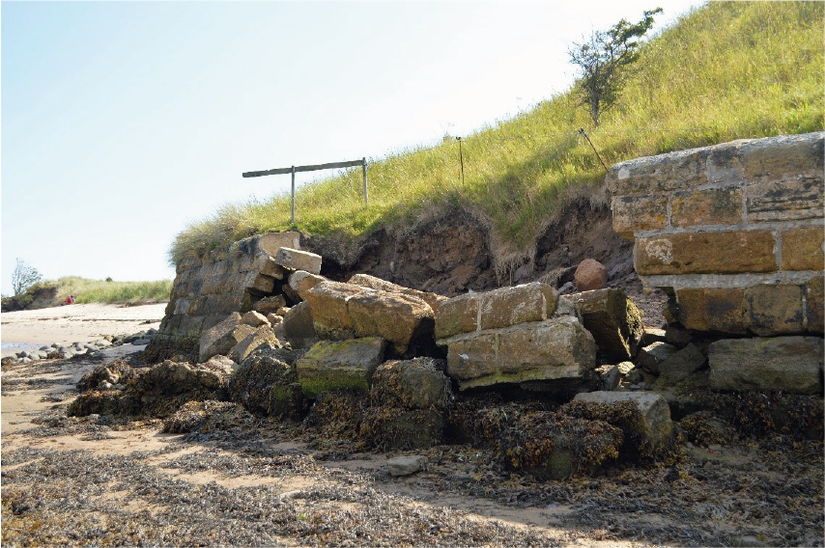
299	169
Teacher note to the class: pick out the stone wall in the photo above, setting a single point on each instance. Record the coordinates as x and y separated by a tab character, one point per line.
733	232
207	289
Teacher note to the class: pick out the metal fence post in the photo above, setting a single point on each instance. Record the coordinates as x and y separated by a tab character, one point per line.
293	195
364	168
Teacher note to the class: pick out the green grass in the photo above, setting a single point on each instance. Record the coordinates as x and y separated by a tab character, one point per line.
99	291
726	71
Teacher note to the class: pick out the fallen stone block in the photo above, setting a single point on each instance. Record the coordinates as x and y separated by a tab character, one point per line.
395	317
411	384
652	355
643	417
790	364
614	320
298	260
302	281
406	465
682	364
332	365
557	348
266	383
269	304
220	338
255	319
298	326
261	335
371	282
328	305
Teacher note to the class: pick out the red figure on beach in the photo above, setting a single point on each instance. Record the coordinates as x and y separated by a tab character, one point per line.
69	300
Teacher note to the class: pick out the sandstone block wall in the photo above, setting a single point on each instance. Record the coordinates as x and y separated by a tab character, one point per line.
733	232
209	288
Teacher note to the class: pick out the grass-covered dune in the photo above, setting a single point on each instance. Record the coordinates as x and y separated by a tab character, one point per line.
52	292
726	71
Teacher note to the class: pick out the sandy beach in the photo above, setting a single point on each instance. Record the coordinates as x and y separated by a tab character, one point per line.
83	323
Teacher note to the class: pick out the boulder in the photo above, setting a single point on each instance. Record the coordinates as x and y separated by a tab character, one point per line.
328	304
558	348
590	274
371	282
607	377
270	304
220	338
643	417
255	319
266	383
392	428
406	465
792	364
395	317
298	326
419	383
654	354
348	364
682	364
302	281
614	320
261	335
298	260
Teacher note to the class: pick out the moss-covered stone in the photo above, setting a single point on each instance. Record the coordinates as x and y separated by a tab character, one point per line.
332	365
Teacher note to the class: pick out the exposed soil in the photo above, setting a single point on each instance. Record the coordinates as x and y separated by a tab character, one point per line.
452	254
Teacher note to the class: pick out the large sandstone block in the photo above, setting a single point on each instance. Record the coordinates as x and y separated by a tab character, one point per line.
502	307
411	384
632	213
706	253
775	309
679	170
613	319
328	304
815	303
713	309
371	282
784	157
791	364
395	317
261	335
788	200
552	349
299	328
713	206
220	338
302	281
332	365
298	260
802	248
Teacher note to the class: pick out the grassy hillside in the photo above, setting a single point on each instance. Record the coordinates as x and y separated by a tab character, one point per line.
99	291
726	71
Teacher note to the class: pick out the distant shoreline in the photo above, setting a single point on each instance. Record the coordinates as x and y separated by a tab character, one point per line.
75	323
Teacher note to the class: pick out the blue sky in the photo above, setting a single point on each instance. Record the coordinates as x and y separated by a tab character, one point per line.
124	122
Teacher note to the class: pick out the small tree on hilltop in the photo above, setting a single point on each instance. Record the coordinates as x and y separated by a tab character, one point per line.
23	277
602	61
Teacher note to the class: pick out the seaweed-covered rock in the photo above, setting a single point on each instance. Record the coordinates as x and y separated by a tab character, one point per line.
396	428
95	402
267	383
332	365
338	415
704	428
117	372
206	416
552	445
419	383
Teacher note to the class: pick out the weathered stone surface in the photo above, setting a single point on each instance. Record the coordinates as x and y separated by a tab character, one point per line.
395	317
706	253
508	306
269	304
299	328
783	157
265	264
815	303
331	365
255	319
330	314
656	425
222	337
654	174
258	283
791	364
457	315
261	335
607	377
302	281
551	349
590	275
631	213
788	200
371	282
298	260
406	465
802	248
682	364
775	309
714	206
652	356
614	321
713	309
419	383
